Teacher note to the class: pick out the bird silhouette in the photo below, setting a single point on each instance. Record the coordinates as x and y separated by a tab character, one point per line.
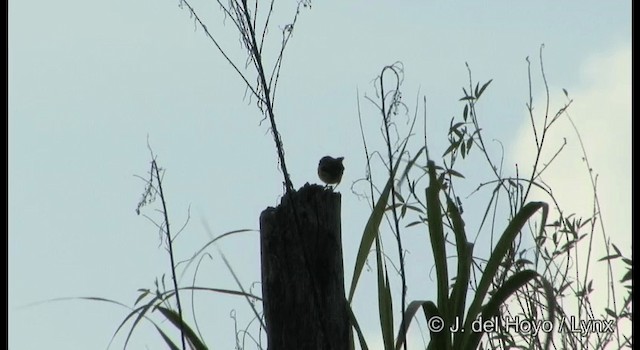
330	170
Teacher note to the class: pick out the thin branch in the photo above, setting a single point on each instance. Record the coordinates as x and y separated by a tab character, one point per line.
170	247
386	117
215	42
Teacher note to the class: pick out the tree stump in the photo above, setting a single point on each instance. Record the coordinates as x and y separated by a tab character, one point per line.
302	272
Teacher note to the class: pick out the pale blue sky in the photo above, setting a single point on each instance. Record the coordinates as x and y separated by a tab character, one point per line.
88	81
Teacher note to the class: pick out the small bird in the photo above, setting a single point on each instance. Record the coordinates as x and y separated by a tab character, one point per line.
330	170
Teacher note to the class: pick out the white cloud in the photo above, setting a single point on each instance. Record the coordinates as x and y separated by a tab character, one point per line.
602	114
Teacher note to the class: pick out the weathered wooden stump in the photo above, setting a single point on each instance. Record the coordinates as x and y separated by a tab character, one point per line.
302	272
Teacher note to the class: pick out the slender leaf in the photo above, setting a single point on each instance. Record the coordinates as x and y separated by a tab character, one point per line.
356	326
616	249
456	125
483	87
465	256
436	234
627	276
438	338
451	147
409	313
454	173
503	245
551	306
492	307
214	240
515	282
189	334
143	294
223	291
141	311
609	257
166	339
385	307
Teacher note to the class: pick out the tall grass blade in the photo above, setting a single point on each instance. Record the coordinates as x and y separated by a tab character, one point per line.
385	306
438	340
511	286
503	245
356	326
166	339
436	234
409	313
189	334
458	298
